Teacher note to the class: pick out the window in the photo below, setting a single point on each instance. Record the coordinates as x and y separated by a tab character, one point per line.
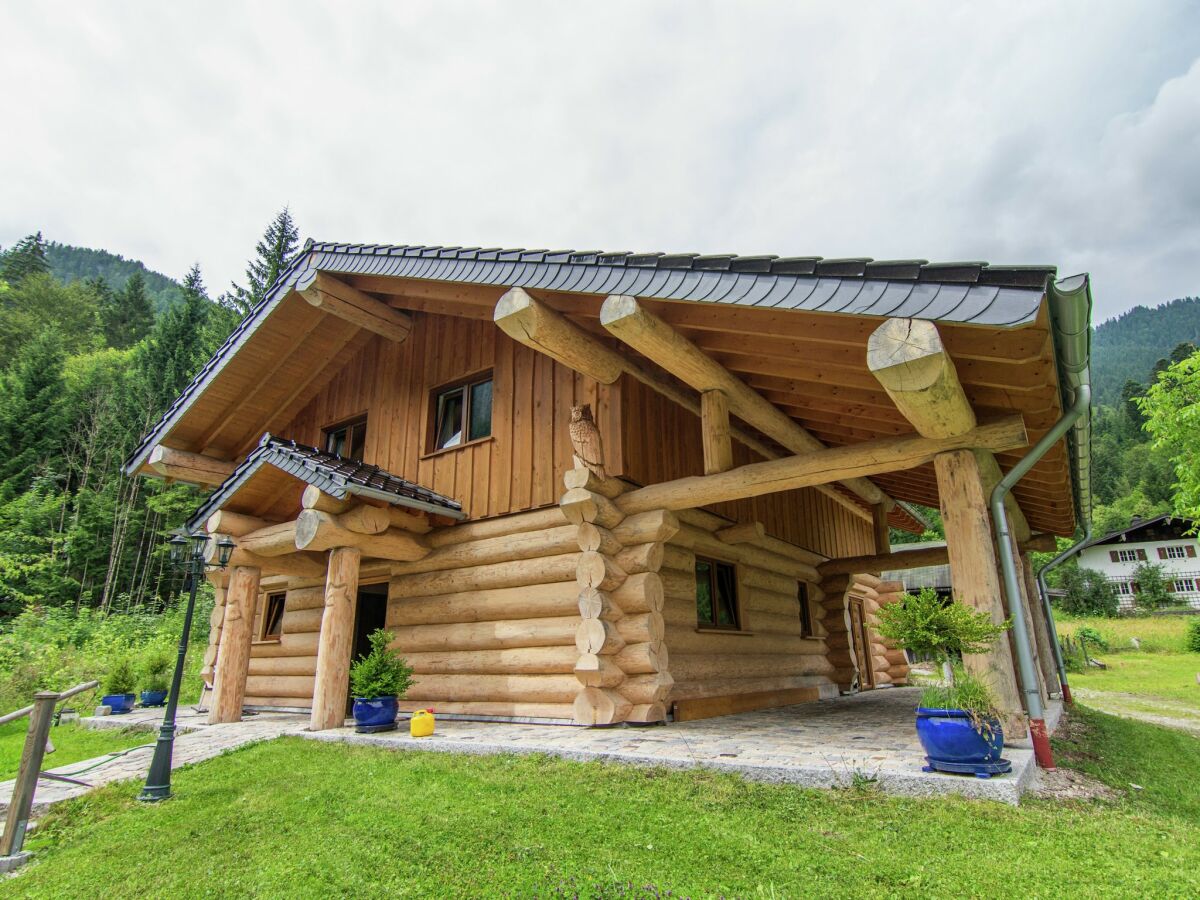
1127	555
806	628
1122	588
347	440
1177	552
1185	585
461	413
716	594
272	620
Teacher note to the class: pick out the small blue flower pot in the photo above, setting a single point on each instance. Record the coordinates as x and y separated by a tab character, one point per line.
119	703
154	698
375	713
953	744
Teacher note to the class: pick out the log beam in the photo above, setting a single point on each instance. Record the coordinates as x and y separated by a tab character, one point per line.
336	639
316	530
818	467
628	320
193	468
714	430
350	304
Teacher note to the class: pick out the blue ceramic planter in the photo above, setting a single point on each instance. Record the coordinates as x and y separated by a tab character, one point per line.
952	743
154	698
118	703
375	713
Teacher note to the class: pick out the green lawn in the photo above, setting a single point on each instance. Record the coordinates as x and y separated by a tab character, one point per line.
1155	634
71	742
1165	676
297	818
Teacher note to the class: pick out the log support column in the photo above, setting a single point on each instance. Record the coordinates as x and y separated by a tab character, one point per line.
976	576
1041	628
233	658
336	641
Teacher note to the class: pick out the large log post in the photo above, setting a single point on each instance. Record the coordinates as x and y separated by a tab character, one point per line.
1041	629
974	573
336	641
233	658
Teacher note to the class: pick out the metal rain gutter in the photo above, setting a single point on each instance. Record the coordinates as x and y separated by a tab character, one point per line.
1070	315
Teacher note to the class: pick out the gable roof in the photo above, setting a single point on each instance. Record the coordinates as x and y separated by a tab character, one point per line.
1138	525
333	474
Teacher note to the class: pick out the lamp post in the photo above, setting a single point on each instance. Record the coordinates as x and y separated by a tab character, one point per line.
187	554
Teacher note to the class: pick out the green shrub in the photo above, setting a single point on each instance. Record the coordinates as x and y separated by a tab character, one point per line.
928	626
1193	636
382	672
1153	589
1087	593
120	677
156	670
1092	636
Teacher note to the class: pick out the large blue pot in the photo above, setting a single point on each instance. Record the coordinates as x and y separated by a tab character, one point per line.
118	703
953	744
375	712
153	698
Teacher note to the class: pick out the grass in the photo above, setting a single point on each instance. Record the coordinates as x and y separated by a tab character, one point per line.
297	818
72	743
1164	676
1156	634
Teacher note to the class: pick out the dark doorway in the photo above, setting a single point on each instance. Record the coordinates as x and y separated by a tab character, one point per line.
370	615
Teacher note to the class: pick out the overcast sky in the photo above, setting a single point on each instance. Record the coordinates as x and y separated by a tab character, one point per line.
1028	132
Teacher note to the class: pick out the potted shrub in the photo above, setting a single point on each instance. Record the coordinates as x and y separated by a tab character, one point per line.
377	681
957	721
119	683
156	677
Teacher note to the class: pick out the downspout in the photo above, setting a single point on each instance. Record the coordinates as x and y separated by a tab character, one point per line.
1070	302
1044	594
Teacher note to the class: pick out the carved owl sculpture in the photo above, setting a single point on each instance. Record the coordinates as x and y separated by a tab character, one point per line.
585	439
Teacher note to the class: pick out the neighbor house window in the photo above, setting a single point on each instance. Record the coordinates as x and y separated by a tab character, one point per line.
806	628
716	594
1185	585
461	413
1177	552
1122	588
348	439
1126	555
272	620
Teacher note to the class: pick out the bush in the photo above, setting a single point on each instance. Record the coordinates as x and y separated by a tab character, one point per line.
928	626
1153	589
1193	636
382	672
120	679
1087	593
156	670
1092	636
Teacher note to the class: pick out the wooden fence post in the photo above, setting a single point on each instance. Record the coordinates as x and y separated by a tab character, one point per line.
21	804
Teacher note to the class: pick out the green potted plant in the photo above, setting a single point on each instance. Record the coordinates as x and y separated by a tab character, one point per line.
957	721
156	677
377	681
119	683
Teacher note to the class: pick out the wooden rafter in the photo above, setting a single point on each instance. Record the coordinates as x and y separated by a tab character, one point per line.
349	303
194	468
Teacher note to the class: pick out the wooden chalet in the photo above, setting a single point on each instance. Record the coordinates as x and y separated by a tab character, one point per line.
390	440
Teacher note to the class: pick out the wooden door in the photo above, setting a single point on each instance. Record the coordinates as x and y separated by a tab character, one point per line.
862	644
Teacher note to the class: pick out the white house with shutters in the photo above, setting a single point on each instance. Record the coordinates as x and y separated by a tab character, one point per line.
1163	541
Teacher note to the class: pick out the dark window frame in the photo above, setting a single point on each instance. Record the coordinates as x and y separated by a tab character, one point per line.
274	607
714	568
329	433
806	622
466	387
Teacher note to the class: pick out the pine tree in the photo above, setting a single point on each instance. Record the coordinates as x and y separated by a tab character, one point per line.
276	249
27	257
32	412
137	313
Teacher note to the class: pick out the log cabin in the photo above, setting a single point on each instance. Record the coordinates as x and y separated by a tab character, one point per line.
396	437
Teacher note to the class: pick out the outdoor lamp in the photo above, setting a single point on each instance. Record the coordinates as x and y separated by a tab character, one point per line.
224	550
199	540
177	544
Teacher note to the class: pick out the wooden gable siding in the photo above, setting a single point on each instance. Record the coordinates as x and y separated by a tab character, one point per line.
662	441
520	467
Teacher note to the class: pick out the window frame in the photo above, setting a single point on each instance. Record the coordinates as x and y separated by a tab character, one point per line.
1176	551
806	619
1125	555
1189	585
346	425
268	600
1122	588
464	385
736	606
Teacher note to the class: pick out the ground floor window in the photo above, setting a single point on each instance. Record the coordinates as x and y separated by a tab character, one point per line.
1185	585
716	594
272	620
1122	588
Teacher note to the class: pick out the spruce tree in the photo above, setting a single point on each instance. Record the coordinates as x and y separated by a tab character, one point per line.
276	249
33	418
137	313
27	257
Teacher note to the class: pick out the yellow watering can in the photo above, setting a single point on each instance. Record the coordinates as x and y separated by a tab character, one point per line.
421	724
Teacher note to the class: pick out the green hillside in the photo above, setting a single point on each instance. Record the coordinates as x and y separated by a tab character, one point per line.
69	264
1126	348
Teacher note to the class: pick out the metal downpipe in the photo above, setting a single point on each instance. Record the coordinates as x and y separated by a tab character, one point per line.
1044	595
1008	569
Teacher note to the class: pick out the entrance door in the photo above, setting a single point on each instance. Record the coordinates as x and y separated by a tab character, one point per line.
370	614
862	644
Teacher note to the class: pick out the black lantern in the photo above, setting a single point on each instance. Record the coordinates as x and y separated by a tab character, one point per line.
224	550
178	546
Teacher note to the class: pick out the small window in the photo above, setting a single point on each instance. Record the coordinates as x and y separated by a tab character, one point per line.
1127	555
806	628
716	594
1122	588
1176	553
461	413
272	620
348	440
1185	585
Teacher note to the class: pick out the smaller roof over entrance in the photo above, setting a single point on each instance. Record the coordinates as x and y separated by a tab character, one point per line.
260	483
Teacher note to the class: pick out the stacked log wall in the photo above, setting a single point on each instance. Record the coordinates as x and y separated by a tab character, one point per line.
282	671
894	660
838	591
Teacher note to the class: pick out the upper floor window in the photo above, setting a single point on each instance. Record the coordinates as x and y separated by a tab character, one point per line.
348	439
272	619
1126	555
716	594
461	413
1175	552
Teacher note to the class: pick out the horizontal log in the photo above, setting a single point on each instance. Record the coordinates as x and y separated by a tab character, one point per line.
495	688
600	572
563	711
296	621
720	687
304	565
233	524
748	532
288	645
648	527
819	467
545	632
316	530
594	604
590	481
641	628
273	540
518	523
278	702
580	506
642	592
652	688
517	573
640	558
350	304
517	661
365	519
283	665
193	468
506	548
709	706
304	598
598	671
280	685
594	537
312	497
678	584
641	659
600	706
598	637
647	712
699	667
527	602
684	639
548	331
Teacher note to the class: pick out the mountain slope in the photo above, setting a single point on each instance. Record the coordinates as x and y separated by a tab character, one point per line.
73	263
1128	346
